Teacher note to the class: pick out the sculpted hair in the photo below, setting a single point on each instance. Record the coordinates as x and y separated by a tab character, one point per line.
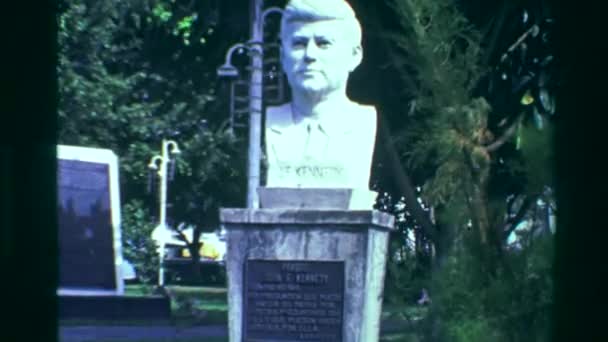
317	10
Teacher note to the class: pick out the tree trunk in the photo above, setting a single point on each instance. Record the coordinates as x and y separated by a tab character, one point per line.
403	181
443	244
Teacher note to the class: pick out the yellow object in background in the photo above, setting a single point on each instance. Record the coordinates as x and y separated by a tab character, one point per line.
185	253
207	250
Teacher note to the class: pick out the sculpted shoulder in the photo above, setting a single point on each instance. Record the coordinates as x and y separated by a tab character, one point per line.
365	117
354	117
278	117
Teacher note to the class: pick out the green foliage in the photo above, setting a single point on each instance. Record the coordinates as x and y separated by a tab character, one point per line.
126	82
181	19
161	12
138	248
404	279
209	159
443	51
482	291
536	147
472	330
513	305
521	302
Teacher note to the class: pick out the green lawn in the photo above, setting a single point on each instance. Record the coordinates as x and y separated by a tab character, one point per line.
214	298
399	338
208	303
195	306
194	339
387	338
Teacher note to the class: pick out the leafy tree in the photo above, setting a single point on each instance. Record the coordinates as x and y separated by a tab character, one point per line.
471	122
134	73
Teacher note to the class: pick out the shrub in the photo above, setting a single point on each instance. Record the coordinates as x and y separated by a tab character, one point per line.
137	243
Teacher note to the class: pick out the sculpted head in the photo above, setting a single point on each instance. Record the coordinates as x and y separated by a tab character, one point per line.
321	45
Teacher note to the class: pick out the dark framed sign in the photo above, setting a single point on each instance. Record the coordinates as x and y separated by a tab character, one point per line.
90	253
293	300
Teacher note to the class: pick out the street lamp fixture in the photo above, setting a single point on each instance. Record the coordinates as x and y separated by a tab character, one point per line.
227	69
161	233
255	48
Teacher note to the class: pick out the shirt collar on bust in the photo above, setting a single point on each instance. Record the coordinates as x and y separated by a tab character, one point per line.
331	124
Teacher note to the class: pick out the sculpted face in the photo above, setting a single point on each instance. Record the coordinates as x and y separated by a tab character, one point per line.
317	56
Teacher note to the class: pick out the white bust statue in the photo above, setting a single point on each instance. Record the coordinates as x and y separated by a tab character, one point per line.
321	139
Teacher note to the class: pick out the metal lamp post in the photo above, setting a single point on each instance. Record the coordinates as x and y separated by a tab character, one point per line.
161	233
255	48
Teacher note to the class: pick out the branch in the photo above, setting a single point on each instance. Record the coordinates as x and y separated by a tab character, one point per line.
495	30
180	232
549	200
404	183
505	136
510	203
511	223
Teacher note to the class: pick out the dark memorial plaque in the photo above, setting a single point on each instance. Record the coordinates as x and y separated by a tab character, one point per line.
87	255
293	301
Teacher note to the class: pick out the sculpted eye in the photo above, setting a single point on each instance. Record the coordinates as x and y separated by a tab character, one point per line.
323	43
298	43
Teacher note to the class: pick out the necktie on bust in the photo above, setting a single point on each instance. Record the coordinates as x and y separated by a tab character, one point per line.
317	141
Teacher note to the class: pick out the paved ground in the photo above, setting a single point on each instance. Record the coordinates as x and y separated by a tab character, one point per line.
91	333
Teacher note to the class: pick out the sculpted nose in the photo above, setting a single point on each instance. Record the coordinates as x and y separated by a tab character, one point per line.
311	50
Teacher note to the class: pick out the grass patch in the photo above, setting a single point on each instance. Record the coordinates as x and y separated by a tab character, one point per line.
191	339
384	338
402	312
190	305
198	305
399	338
145	290
114	323
207	317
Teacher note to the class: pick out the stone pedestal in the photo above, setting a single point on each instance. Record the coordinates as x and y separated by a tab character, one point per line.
305	274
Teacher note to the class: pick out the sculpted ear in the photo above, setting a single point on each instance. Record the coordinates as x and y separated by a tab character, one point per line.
356	58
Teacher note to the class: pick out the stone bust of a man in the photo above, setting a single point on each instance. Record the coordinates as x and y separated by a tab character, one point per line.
321	139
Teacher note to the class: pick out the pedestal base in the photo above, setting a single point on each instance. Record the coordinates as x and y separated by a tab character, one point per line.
322	240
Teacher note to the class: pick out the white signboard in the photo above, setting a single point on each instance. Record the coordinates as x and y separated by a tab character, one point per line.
90	254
